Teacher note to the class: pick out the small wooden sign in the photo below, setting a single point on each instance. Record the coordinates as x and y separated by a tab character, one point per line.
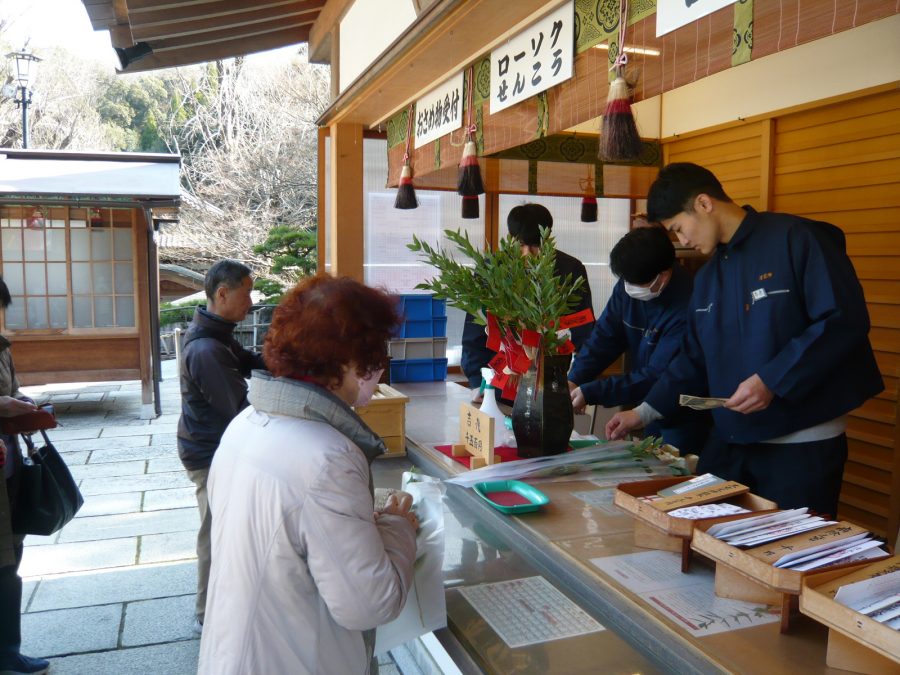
476	433
703	495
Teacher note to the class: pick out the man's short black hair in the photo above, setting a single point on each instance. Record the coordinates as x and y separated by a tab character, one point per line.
525	221
5	297
228	273
676	187
641	255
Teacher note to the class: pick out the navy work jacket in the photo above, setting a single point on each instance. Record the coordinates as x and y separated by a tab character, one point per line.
650	333
781	300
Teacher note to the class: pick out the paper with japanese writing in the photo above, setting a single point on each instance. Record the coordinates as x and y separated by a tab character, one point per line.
702	495
687	600
439	111
534	60
869	592
771	552
476	431
528	611
673	14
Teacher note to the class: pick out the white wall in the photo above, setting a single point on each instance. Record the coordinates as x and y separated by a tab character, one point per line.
367	29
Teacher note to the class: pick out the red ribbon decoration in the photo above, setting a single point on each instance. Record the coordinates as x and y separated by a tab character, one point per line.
500	380
509	388
498	363
531	338
581	318
566	348
493	333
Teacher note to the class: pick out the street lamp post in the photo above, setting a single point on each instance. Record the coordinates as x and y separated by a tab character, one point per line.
24	59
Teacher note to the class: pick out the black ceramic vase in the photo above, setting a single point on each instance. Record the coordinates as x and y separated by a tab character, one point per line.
542	417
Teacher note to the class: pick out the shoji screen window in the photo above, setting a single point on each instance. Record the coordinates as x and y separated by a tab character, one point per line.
102	270
33	241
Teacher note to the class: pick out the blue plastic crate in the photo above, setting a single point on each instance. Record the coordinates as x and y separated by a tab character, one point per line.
438	307
416	308
417	329
418	370
439	326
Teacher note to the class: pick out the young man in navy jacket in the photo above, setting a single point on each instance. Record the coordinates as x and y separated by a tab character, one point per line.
778	325
645	319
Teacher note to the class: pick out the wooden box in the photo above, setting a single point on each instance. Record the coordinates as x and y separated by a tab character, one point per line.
386	416
746	574
855	642
657	529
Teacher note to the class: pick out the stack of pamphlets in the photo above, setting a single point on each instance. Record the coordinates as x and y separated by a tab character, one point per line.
702	510
806	555
878	598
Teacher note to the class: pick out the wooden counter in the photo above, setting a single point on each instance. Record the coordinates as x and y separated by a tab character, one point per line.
559	542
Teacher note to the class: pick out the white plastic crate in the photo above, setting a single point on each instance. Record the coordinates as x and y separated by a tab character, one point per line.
418	348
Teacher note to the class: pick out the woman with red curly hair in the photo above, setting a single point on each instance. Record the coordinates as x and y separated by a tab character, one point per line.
303	569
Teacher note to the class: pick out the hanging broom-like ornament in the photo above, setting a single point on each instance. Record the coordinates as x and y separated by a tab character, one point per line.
406	193
469	184
589	201
619	138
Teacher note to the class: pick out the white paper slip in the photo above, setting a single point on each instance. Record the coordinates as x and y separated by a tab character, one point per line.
707	511
722	530
528	611
887	614
878	605
860	594
816	551
696	483
895	624
780	532
836	557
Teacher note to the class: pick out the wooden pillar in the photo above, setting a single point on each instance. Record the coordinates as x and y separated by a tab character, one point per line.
139	226
345	226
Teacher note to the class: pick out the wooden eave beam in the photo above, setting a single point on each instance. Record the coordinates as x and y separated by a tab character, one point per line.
246	32
444	39
183	56
173	22
320	36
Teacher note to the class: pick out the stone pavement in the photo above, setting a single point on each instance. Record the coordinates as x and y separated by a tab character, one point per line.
113	592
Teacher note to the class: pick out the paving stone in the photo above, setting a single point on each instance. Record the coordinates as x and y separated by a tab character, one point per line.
177	498
149	481
91	396
104	455
105	505
123	420
127	430
74	458
168	418
63	398
66	434
154	621
164	439
156	548
70	631
37	540
108	469
28	586
77	557
130	524
165	464
97	587
108	443
179	658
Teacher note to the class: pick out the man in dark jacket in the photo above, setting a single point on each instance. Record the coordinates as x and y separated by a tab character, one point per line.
214	368
777	325
645	319
524	222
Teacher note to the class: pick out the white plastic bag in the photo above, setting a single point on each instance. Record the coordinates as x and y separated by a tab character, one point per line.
426	607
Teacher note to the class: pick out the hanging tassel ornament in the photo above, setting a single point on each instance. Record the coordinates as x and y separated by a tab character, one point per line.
406	193
589	201
619	138
469	184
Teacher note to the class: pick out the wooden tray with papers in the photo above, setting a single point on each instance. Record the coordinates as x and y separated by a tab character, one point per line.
855	642
749	574
657	529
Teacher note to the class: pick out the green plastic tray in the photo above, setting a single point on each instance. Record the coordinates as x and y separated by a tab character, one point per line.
536	498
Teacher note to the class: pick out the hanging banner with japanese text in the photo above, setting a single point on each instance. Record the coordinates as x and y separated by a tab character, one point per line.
536	59
671	14
439	111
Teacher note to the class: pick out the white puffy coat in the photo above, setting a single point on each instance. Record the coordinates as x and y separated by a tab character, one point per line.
300	567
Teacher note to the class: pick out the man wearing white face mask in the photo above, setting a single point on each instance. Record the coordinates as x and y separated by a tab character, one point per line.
644	319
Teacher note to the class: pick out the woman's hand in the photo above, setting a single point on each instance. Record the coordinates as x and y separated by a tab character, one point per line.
621	424
400	504
10	407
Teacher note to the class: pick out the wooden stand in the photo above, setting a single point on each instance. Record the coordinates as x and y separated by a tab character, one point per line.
855	642
749	575
656	529
476	431
385	414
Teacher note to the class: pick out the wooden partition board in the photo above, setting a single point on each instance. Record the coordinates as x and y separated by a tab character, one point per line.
817	601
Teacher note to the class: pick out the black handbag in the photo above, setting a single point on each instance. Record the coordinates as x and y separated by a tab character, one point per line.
47	496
